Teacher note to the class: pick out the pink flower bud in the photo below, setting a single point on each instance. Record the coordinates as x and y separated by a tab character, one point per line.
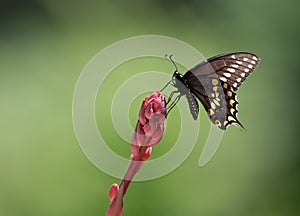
113	190
148	132
150	126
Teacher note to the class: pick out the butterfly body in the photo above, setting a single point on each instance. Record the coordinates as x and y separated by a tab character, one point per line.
183	87
214	82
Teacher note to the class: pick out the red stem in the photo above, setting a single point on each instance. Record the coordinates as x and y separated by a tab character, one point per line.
116	205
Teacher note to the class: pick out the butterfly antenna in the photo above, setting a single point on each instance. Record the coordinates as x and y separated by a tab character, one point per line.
173	63
171	60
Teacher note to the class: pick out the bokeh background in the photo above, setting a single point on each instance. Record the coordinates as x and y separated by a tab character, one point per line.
45	44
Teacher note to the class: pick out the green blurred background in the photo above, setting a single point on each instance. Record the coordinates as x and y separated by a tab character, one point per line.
45	44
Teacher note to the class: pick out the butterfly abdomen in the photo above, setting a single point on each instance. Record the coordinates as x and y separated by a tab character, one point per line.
193	104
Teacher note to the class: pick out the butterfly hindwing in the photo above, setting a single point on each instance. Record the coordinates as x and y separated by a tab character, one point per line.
231	107
214	98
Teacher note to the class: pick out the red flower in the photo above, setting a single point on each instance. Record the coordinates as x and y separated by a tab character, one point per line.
148	132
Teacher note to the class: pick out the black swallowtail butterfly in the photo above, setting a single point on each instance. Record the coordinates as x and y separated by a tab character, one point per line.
214	82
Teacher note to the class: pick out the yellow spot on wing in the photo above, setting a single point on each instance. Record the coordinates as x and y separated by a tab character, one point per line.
211	112
232	111
229	93
216	102
214	82
225	85
212	105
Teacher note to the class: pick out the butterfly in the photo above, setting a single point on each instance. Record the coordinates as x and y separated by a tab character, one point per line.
214	83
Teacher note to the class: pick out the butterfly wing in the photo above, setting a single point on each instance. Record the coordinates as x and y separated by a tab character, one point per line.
214	82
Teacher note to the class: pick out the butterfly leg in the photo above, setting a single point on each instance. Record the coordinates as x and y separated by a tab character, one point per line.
171	95
168	83
173	104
